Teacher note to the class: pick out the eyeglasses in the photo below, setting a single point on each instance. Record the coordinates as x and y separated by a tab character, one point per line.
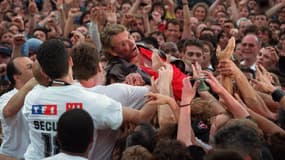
248	44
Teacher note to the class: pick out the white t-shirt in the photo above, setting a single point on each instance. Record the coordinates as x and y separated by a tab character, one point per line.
15	130
43	107
127	95
63	156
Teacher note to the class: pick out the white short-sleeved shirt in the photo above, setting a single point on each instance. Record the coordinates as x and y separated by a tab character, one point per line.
15	130
63	156
127	95
44	106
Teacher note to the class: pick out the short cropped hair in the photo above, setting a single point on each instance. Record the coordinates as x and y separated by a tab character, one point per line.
193	42
53	58
85	61
75	131
137	152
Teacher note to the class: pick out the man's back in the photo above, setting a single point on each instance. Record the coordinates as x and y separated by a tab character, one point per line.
43	107
127	95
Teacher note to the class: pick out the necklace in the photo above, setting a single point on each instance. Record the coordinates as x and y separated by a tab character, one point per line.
58	82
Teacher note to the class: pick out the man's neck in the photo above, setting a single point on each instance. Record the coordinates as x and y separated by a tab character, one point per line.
248	62
87	83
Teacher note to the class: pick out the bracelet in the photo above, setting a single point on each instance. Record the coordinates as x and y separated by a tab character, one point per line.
277	95
184	4
184	105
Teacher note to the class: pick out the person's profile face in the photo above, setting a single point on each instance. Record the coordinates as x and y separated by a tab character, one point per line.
123	45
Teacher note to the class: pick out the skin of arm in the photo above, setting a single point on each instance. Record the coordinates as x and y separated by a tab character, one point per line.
146	11
15	104
73	12
248	93
184	132
146	113
232	104
135	7
213	7
235	11
163	84
186	28
275	8
272	105
266	125
267	87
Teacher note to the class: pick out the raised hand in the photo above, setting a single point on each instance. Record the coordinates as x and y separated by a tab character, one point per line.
134	79
215	85
228	51
263	80
188	91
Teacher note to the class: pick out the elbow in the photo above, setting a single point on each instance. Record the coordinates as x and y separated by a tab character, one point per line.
7	113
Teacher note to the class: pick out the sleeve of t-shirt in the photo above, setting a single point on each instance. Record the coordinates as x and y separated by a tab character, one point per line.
133	95
107	113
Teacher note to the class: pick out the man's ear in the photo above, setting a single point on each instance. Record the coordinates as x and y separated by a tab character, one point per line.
16	77
100	67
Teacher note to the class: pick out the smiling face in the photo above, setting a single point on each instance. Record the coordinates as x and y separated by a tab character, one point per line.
200	13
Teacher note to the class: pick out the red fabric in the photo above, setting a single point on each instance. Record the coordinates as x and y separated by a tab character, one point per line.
178	76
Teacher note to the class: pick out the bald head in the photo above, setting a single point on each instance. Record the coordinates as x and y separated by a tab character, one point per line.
250	47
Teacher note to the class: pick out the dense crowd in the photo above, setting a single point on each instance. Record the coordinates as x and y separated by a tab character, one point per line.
142	79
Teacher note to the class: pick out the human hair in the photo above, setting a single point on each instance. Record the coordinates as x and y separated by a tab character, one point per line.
193	42
161	5
174	22
251	29
44	30
108	33
221	154
11	71
200	108
75	131
276	145
238	136
203	5
82	17
85	61
144	136
137	152
53	58
171	149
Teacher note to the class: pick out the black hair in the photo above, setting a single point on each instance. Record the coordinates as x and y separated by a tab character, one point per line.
193	42
150	40
53	58
75	131
145	136
10	72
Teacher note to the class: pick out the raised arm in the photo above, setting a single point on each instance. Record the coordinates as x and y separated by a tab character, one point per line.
184	132
15	104
147	112
235	11
231	103
275	8
186	34
249	95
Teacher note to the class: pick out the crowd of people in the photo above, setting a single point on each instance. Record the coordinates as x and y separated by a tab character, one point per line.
142	79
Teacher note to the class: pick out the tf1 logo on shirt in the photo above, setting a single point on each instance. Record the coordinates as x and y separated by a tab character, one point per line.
48	109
